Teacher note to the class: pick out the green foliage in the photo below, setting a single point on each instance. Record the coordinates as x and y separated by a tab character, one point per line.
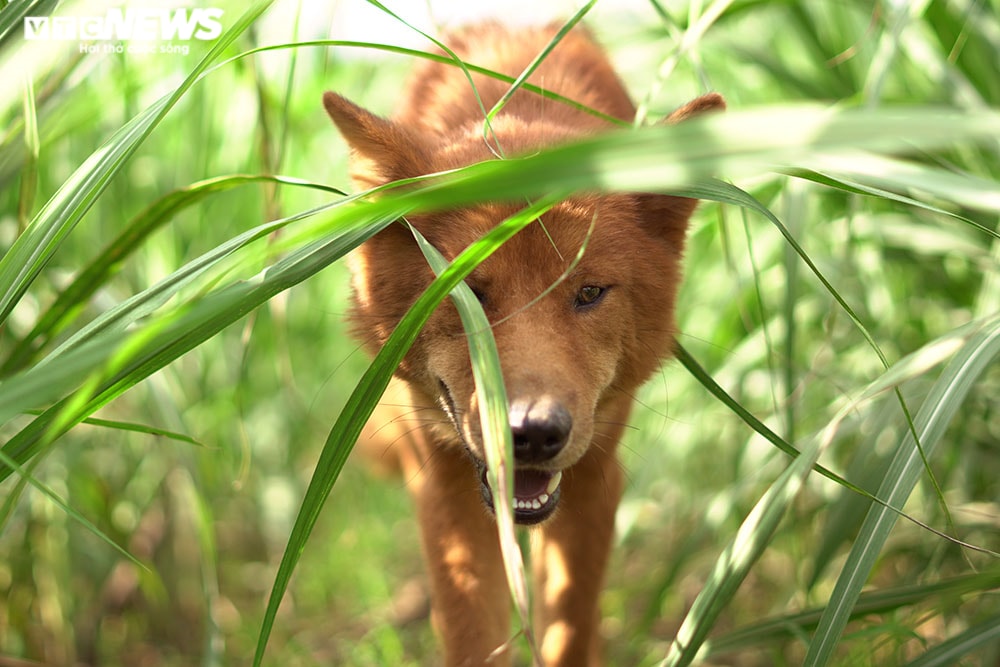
173	353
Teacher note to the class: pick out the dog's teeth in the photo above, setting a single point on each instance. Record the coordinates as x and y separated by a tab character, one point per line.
532	504
553	483
540	501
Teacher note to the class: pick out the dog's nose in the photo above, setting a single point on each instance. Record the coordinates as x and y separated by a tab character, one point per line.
540	427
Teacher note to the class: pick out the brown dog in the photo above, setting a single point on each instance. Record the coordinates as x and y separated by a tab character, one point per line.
572	356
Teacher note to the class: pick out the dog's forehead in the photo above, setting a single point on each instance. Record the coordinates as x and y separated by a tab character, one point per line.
542	253
563	228
506	137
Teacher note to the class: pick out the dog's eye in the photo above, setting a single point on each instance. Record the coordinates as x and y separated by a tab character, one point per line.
480	295
589	295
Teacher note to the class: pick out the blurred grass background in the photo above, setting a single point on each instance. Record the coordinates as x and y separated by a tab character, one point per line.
210	518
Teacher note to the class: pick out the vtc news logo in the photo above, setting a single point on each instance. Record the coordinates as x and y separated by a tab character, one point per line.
118	24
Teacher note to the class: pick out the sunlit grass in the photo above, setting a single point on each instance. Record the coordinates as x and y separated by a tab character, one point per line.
220	319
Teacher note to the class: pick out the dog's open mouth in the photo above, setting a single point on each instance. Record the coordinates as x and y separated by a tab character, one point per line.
536	494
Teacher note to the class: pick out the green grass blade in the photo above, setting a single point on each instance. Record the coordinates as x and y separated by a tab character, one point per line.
146	302
648	159
886	177
725	192
791	626
760	525
134	427
491	395
29	171
653	158
522	78
120	359
856	187
46	491
734	563
737	143
33	249
25	475
120	425
434	57
941	404
109	261
698	25
886	173
360	405
951	652
12	17
713	387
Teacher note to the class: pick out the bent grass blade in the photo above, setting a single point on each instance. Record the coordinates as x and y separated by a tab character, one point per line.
362	402
492	399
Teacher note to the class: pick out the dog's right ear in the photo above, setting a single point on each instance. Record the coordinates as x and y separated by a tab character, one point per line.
666	216
700	105
381	150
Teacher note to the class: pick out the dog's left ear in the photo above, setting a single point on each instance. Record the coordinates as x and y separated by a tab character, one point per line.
666	216
381	149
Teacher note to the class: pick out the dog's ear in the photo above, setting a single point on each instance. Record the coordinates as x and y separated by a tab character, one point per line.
698	106
381	150
666	216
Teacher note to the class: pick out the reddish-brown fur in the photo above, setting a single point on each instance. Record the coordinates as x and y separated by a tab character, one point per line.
571	360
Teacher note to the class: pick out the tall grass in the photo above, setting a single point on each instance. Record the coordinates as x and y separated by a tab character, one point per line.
814	481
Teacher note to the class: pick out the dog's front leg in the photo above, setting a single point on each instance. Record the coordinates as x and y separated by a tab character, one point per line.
570	559
469	599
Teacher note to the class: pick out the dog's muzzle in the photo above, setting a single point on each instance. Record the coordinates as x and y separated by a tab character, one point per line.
540	427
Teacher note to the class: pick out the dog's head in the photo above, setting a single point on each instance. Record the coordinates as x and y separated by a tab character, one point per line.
581	301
